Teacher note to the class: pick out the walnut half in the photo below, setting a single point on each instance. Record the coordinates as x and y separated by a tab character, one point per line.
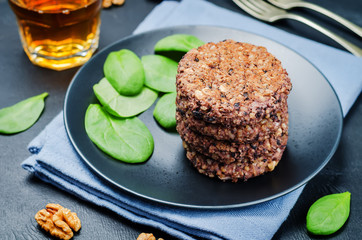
58	221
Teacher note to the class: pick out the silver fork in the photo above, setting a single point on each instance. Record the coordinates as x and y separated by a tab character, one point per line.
288	4
269	13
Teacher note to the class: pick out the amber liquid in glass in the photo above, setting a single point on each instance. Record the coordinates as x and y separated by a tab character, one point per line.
58	34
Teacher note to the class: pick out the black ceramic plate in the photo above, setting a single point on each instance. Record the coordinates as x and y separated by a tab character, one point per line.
167	177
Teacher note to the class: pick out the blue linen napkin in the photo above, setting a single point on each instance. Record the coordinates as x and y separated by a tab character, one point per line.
55	161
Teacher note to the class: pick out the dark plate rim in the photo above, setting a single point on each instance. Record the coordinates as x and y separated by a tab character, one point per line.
155	200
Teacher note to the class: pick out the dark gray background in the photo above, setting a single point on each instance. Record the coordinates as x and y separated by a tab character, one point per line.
22	195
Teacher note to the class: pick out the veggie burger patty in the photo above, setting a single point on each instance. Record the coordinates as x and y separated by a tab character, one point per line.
232	111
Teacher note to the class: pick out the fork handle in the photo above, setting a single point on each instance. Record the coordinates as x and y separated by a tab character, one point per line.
355	50
353	27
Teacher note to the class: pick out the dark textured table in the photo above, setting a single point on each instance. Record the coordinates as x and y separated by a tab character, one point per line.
22	194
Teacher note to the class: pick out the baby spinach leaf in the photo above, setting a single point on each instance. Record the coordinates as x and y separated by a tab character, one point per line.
329	213
165	110
160	73
128	140
178	42
123	106
22	115
124	71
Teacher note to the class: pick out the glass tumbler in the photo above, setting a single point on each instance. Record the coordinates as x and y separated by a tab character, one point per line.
58	34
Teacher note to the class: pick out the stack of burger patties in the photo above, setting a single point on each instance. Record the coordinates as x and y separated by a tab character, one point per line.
232	111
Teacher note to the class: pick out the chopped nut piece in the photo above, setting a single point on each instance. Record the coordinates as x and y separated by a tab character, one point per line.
58	221
108	3
118	2
147	236
272	165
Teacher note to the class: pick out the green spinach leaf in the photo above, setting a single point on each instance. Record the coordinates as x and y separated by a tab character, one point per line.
178	42
123	106
128	140
22	115
124	70
165	110
160	73
329	213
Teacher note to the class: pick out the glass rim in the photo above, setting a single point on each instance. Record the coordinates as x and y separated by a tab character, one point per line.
19	4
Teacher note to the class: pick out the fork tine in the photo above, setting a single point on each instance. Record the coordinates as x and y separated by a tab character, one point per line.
249	8
263	5
269	13
253	6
